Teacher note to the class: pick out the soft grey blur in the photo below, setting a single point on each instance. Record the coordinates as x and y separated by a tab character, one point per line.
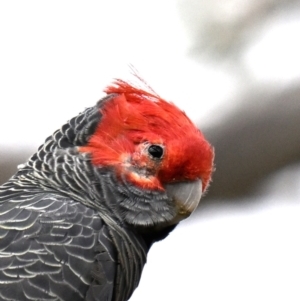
234	67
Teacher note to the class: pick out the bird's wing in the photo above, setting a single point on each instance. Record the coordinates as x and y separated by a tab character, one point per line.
54	248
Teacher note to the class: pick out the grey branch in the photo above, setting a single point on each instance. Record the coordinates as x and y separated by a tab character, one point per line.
257	138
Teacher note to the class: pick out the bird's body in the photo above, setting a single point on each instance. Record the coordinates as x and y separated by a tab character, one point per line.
77	220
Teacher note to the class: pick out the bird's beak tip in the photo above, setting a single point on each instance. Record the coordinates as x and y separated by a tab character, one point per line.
186	196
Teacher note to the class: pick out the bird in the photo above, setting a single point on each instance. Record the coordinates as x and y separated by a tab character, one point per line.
79	217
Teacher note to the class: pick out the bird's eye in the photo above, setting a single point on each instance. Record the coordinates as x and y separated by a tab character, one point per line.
156	151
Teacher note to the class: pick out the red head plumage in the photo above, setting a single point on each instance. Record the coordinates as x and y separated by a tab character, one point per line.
134	119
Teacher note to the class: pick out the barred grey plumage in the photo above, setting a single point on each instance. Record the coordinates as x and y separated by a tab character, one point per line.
73	230
60	240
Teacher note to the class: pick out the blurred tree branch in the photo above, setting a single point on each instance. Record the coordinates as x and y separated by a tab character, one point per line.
257	138
10	159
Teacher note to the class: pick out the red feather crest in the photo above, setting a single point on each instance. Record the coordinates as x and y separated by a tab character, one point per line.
137	115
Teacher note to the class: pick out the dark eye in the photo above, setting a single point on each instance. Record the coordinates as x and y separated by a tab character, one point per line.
156	151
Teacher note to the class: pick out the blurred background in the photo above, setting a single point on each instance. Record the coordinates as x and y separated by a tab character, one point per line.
234	67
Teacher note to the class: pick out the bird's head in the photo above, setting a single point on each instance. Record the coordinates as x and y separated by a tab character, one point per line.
161	160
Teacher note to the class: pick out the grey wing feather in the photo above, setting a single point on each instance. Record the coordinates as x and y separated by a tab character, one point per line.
53	248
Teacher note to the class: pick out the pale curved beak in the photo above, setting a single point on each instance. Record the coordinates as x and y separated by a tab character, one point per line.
186	196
